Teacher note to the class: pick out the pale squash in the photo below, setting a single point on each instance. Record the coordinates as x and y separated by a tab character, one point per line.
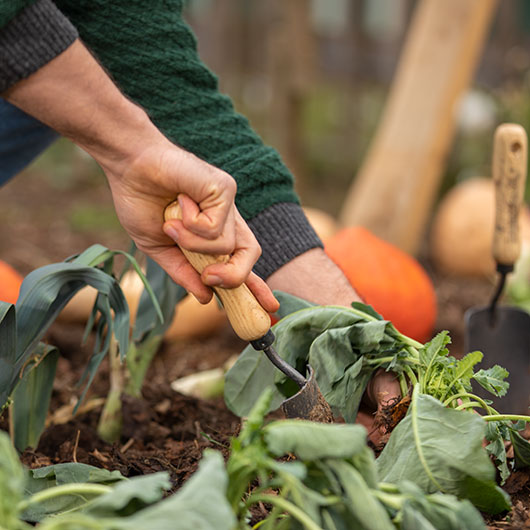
461	235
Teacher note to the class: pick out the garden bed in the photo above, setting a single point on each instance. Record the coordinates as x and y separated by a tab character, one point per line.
166	431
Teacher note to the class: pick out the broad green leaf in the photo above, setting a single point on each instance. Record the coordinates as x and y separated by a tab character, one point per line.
351	333
436	511
200	503
60	475
289	304
362	504
31	398
130	496
44	292
11	485
314	441
440	450
367	309
72	472
493	380
521	449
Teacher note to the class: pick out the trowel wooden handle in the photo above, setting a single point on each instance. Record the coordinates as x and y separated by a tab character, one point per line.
509	176
248	319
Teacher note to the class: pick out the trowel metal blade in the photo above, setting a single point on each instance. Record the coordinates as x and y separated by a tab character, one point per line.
506	342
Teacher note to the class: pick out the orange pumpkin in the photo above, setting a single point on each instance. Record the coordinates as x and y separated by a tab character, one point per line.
388	279
10	282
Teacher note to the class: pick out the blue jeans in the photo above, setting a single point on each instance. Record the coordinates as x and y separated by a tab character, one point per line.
22	139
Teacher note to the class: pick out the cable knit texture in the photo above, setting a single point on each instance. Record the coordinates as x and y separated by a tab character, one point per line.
152	56
9	8
32	38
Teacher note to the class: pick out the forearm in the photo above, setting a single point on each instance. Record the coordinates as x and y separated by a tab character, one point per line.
314	277
73	95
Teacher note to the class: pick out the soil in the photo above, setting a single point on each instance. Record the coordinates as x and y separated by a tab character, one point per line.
163	430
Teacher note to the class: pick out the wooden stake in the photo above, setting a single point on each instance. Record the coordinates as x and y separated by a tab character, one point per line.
396	186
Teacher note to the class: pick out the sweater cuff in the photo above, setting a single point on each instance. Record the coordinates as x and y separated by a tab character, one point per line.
31	39
284	233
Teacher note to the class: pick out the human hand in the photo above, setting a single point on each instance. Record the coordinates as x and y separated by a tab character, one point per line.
75	96
210	221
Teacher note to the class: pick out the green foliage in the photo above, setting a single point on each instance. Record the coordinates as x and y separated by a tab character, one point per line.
345	346
149	328
440	450
68	496
11	485
31	397
333	483
43	294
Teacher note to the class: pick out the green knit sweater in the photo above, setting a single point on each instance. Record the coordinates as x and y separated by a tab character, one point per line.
152	56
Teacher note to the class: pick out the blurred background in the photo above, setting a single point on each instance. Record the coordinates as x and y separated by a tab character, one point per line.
313	77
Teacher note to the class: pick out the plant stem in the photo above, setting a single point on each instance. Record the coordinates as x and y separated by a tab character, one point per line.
64	489
403	385
469	405
111	419
411	375
504	417
287	506
390	499
483	404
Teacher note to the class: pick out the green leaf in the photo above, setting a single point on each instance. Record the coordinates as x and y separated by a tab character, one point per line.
521	449
72	472
11	484
496	434
436	511
493	380
289	304
313	441
440	449
8	348
31	398
148	329
343	335
200	503
359	500
462	373
44	292
130	496
44	478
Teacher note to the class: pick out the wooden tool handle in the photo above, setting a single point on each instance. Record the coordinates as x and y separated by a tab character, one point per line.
509	176
248	319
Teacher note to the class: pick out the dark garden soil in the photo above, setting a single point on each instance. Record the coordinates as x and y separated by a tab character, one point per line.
164	430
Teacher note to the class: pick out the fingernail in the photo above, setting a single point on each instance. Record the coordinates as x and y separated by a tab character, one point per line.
172	233
213	280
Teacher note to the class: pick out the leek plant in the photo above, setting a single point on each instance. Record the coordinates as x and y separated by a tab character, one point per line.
27	367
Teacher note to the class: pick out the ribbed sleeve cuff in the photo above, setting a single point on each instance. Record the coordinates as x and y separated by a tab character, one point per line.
33	38
284	233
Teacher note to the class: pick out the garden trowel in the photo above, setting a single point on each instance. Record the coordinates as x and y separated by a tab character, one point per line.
252	323
503	333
